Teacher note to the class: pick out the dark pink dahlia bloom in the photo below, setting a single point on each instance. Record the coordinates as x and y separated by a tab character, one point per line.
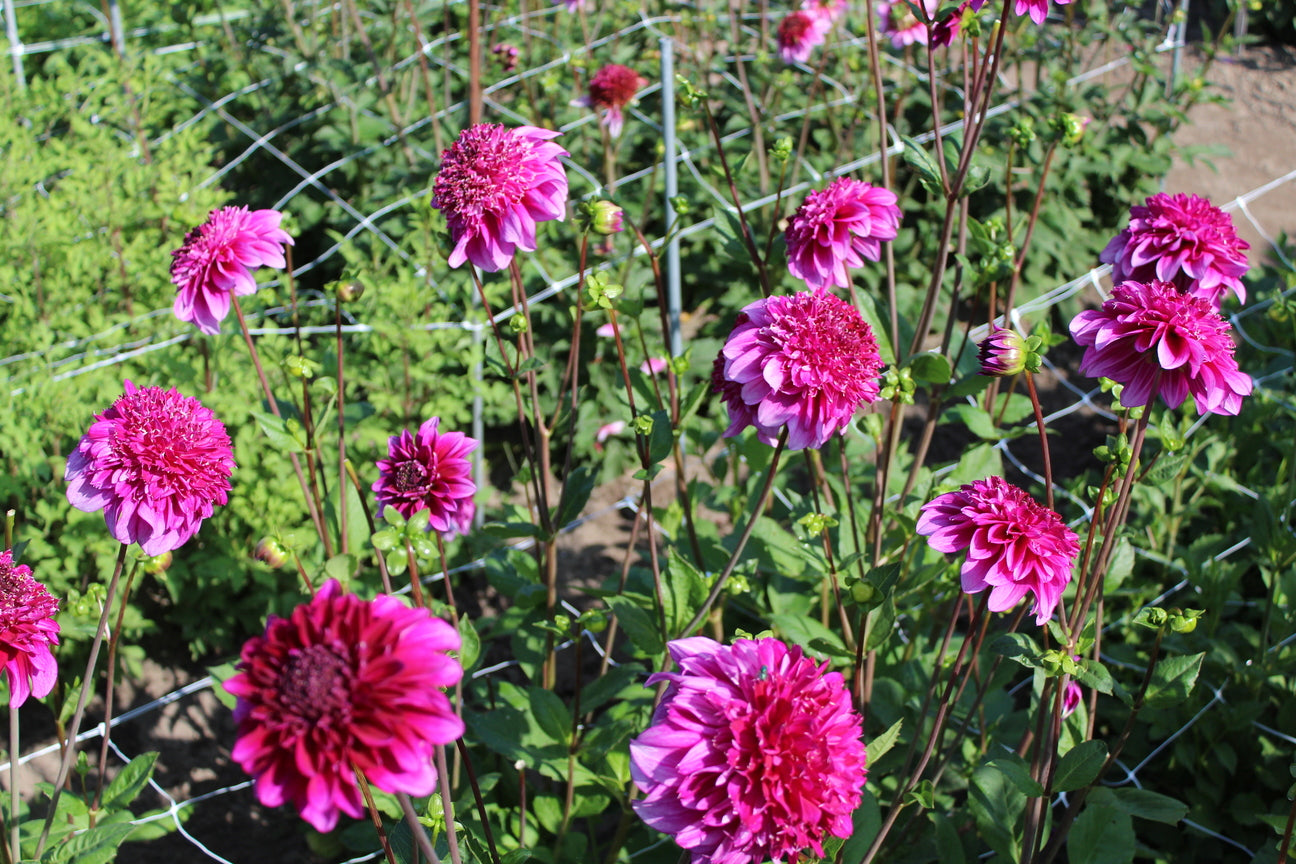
1155	340
1184	240
217	260
800	33
157	462
838	227
27	632
807	362
428	472
753	755
1071	697
1002	353
1014	545
494	185
344	685
612	88
1038	9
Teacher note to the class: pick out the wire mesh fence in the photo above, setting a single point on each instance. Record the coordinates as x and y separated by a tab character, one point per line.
156	330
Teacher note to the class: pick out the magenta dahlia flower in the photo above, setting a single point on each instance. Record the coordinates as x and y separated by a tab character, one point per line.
1071	698
217	260
612	88
838	227
831	11
897	21
754	753
1014	545
494	185
807	362
1184	240
1037	9
800	33
1155	340
428	472
156	462
344	685
27	632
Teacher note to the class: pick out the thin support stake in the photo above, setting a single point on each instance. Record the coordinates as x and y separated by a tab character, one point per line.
674	301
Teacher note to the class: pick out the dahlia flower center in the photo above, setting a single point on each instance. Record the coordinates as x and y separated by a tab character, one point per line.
826	348
614	86
410	477
795	27
314	683
164	448
481	169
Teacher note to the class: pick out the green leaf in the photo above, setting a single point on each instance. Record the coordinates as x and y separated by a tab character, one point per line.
1141	803
97	845
129	781
551	714
509	530
949	848
1173	680
1102	835
881	624
280	438
866	822
977	421
1018	647
1094	674
637	624
918	159
997	806
576	490
1080	766
470	649
1016	770
516	856
662	438
608	685
882	744
930	368
685	590
802	631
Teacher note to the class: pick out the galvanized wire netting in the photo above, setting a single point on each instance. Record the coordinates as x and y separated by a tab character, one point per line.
113	346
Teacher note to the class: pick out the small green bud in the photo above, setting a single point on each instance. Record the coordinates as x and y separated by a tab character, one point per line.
643	424
1185	620
518	324
680	204
349	291
782	149
272	552
158	564
863	592
300	367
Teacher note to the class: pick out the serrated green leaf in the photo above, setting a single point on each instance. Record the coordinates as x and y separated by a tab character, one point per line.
1141	803
121	792
577	486
1080	766
470	644
552	716
638	625
1173	680
882	744
1017	771
1018	647
1102	835
97	845
930	367
1092	673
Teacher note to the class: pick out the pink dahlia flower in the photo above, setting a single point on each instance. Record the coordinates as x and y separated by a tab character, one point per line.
494	185
830	10
1184	240
462	522
607	430
754	753
838	227
1071	698
344	685
800	33
156	462
1038	9
897	21
1014	545
1153	339
27	632
217	260
807	362
612	88
1002	353
428	472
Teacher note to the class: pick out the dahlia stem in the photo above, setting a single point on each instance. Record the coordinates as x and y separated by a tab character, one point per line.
761	270
443	778
1043	434
416	590
369	519
416	828
274	409
875	68
341	418
742	540
87	685
477	796
373	814
15	852
113	639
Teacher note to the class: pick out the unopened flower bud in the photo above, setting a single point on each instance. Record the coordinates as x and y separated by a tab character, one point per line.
1002	353
350	290
158	564
272	552
601	217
